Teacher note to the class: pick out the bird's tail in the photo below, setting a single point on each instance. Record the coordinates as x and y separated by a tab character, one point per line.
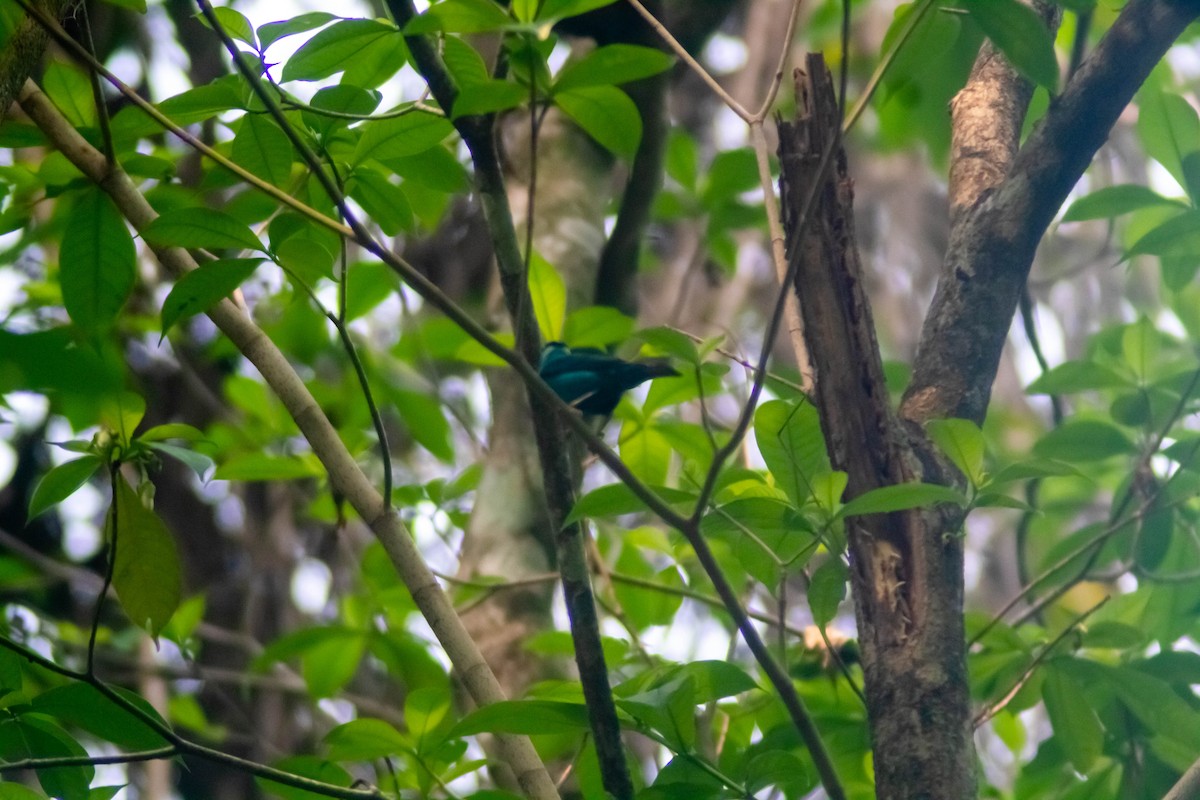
657	369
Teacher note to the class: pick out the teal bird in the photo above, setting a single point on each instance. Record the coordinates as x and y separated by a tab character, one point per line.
592	380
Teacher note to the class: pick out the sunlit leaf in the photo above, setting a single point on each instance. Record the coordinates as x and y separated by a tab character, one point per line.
201	289
61	482
96	262
147	573
200	227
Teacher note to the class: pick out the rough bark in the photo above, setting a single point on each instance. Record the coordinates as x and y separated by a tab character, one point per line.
998	229
22	52
906	574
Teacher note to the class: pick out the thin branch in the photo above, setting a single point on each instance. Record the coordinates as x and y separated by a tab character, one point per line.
182	745
885	62
331	184
85	25
344	472
735	358
988	712
692	63
90	761
784	52
110	568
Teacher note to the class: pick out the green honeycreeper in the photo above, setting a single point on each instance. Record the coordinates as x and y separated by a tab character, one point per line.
590	379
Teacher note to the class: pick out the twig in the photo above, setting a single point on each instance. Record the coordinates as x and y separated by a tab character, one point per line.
345	474
110	568
692	63
180	744
990	711
90	761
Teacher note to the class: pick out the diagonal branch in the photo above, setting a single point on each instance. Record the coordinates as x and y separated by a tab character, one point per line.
994	240
344	473
478	133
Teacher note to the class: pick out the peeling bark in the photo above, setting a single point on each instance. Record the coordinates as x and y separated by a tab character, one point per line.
906	572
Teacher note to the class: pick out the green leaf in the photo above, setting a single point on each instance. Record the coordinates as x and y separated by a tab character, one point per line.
1168	127
962	441
1084	440
196	462
559	9
1178	236
121	413
425	711
97	262
146	572
264	149
370	284
998	500
172	430
524	10
307	260
340	99
754	524
645	606
15	791
596	326
1077	376
83	705
465	63
488	97
34	735
202	288
1113	201
548	294
61	482
133	5
1140	346
682	159
385	202
365	740
200	227
1075	723
1156	705
606	114
827	590
717	679
232	22
194	105
335	48
1019	33
263	467
902	496
423	416
71	90
730	173
272	32
789	437
529	717
460	16
616	499
317	769
613	64
645	451
671	342
400	136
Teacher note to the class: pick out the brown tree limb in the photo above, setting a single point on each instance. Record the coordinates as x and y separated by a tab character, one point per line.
997	232
911	638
